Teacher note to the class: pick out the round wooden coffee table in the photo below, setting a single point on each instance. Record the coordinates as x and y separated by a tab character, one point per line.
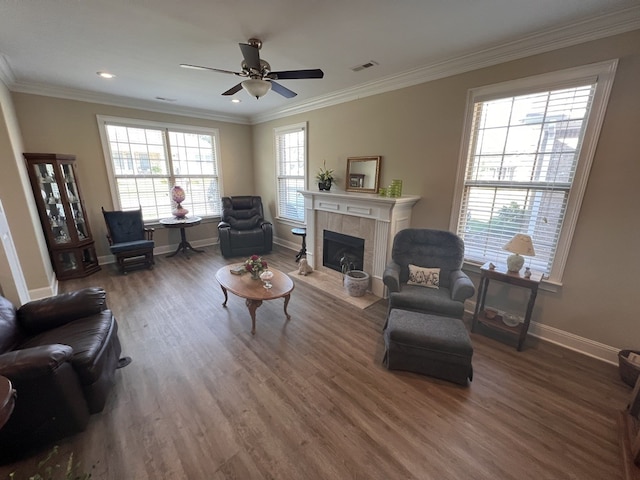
253	291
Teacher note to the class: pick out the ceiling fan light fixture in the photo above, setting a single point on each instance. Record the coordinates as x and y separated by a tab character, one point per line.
256	87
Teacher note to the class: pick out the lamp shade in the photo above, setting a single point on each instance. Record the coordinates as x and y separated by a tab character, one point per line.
177	194
256	87
520	244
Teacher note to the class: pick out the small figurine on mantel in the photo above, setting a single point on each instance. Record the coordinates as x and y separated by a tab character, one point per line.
303	267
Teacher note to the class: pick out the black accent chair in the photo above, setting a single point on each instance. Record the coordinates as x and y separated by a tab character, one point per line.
243	229
129	240
428	249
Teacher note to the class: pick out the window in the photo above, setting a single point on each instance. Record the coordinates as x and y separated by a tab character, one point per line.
291	161
525	159
146	159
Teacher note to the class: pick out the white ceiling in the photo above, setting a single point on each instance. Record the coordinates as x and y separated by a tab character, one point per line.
56	47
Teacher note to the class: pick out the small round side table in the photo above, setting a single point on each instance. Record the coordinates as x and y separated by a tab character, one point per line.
301	232
182	223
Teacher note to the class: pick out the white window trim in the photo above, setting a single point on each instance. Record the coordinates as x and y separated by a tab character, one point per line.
604	72
277	131
103	120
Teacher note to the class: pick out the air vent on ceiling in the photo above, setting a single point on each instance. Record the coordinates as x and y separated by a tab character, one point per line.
369	64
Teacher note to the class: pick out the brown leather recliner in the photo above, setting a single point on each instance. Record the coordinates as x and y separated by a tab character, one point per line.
60	354
243	229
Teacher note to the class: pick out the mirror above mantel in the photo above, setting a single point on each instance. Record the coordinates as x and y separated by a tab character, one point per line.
363	174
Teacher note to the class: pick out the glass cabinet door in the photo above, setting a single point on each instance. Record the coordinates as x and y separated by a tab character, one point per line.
79	224
58	230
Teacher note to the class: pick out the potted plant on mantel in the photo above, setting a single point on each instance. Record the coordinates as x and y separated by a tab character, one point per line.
324	177
356	282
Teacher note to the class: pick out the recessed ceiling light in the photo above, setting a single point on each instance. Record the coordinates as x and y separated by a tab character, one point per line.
235	100
106	74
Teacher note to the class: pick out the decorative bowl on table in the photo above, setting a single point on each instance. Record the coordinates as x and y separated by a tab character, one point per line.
266	278
490	313
510	320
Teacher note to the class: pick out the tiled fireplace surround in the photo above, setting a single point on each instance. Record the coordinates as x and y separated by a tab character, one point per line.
368	216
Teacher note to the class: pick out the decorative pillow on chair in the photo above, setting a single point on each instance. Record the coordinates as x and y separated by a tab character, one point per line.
424	277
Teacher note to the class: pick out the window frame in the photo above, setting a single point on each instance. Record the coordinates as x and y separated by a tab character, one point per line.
603	73
104	120
278	131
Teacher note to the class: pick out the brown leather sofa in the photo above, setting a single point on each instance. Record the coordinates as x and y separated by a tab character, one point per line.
60	354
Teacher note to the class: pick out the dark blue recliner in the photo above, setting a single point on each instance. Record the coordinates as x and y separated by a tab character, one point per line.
129	240
428	249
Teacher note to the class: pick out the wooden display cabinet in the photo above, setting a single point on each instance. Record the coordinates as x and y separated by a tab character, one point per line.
62	214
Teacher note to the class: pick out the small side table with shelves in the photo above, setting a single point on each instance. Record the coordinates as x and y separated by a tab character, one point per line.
500	274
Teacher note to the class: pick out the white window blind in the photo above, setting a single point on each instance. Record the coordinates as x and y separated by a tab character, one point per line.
146	160
523	153
291	160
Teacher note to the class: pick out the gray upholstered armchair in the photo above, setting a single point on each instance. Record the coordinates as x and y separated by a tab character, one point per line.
431	249
243	229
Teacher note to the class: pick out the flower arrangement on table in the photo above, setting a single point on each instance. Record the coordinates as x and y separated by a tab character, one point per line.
255	265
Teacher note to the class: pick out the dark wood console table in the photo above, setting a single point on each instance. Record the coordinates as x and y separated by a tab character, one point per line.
500	274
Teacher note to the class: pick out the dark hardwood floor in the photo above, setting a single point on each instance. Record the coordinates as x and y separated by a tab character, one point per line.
309	398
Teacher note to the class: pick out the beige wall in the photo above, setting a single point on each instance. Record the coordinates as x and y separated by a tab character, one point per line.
15	193
417	131
54	125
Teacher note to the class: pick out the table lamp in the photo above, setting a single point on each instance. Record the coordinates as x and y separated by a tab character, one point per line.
519	245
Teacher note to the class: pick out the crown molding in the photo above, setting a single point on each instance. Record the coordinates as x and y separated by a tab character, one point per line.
118	101
6	74
545	41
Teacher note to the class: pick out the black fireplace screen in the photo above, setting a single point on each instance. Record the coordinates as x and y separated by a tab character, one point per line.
339	249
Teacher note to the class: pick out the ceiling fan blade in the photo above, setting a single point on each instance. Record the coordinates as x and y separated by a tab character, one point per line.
251	56
233	90
284	91
292	74
198	67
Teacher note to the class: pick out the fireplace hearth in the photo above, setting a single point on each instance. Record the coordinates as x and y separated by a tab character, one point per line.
342	250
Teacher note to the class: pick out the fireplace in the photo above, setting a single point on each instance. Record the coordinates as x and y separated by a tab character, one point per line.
370	217
339	249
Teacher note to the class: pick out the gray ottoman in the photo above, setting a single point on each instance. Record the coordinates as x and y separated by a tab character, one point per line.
428	344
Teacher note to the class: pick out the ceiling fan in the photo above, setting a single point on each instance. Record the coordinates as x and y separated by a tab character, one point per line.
260	78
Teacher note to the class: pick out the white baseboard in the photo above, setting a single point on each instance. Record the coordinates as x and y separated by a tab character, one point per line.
165	249
576	343
600	351
287	244
44	292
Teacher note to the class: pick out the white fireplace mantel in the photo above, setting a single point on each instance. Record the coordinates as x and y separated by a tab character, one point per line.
389	214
